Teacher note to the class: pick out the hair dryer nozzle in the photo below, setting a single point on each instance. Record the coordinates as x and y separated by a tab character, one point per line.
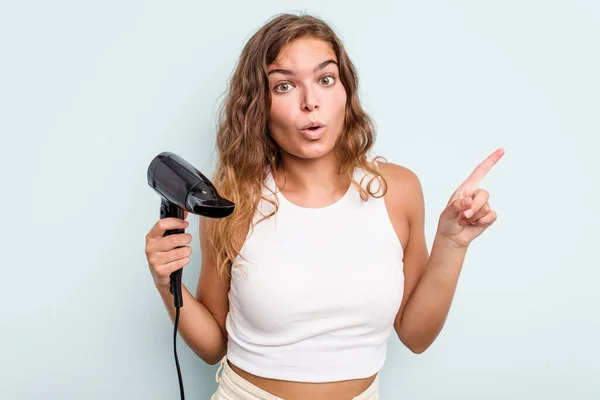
213	208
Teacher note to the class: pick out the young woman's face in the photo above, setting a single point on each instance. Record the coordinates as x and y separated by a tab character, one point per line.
306	89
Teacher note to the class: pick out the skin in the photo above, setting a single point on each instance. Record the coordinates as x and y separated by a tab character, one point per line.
309	178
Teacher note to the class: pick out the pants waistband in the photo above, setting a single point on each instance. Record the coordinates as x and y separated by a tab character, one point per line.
236	386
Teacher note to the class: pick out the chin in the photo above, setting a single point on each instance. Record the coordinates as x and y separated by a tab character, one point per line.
313	151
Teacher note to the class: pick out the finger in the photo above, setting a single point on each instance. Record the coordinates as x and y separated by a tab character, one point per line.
171	242
157	260
487	219
165	224
456	207
480	197
172	255
482	169
483	211
166	270
185	214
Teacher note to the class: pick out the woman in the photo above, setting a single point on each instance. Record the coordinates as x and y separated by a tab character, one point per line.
324	256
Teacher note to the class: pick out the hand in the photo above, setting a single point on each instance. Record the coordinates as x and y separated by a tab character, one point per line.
167	254
468	213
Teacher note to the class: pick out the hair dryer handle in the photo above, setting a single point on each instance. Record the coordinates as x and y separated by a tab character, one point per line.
170	210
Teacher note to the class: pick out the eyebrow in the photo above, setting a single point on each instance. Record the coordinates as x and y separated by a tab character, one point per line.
292	73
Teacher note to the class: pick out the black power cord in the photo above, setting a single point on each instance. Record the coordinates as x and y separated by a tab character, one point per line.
175	350
178	302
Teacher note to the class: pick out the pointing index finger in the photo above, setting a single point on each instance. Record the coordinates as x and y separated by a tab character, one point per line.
482	169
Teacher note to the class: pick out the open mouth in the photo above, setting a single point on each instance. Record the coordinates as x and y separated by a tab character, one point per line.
313	132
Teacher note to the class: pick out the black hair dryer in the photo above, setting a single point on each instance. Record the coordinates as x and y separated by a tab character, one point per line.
182	187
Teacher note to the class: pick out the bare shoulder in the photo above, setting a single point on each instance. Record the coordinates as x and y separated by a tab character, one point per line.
403	184
403	200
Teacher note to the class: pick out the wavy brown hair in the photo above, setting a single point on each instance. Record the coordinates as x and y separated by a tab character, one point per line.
245	152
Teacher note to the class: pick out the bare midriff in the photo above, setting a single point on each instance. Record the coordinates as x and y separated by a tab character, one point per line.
291	390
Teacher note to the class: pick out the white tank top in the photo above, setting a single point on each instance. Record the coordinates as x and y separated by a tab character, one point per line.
317	297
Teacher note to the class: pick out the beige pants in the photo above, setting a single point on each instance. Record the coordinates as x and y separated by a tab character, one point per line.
234	387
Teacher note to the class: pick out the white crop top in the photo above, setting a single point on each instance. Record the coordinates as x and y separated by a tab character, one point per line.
317	297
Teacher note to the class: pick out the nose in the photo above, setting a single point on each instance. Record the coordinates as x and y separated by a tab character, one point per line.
310	101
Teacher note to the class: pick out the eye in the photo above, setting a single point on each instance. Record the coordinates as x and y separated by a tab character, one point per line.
328	80
283	87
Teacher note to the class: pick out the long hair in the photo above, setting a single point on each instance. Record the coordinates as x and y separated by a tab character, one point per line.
245	152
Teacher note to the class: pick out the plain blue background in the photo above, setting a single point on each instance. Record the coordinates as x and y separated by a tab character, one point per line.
90	92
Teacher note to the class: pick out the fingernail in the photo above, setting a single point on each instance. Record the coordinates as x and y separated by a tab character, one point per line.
469	213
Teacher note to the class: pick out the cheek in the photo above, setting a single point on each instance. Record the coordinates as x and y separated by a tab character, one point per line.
281	118
339	105
344	98
281	113
339	97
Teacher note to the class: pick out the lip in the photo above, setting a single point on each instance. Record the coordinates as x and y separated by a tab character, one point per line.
313	124
313	134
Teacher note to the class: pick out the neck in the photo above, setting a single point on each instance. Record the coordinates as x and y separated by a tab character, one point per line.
312	177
